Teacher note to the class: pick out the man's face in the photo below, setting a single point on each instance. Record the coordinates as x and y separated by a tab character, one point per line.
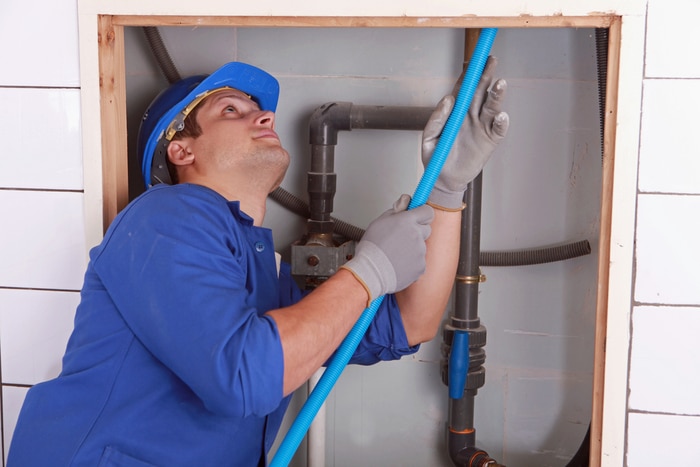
238	136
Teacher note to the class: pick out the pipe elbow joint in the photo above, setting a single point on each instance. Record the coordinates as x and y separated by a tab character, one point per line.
327	120
464	453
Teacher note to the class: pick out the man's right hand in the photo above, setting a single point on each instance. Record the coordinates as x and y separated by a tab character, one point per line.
391	254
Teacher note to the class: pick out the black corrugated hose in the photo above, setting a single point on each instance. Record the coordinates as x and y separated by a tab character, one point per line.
161	54
486	258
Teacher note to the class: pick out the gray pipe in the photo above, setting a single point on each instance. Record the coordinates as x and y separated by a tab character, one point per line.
461	432
325	123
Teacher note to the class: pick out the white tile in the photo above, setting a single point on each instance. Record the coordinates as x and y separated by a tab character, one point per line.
12	399
39	43
672	38
654	439
664	358
43	239
34	329
669	154
45	148
668	228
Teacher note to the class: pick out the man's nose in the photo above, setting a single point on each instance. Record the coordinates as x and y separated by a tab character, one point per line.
266	118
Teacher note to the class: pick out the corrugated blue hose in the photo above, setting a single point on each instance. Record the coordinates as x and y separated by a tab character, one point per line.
313	403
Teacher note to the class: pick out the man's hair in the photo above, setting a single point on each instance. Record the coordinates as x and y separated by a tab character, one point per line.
190	130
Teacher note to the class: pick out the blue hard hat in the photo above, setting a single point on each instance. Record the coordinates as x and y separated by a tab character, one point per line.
167	113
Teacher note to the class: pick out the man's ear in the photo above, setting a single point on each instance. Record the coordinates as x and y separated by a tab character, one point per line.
179	153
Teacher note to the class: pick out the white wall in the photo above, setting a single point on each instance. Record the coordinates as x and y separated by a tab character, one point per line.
43	249
664	383
42	256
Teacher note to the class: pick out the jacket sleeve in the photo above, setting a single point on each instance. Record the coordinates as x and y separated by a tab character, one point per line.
385	338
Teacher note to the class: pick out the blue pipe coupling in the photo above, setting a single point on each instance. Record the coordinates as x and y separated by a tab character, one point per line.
459	364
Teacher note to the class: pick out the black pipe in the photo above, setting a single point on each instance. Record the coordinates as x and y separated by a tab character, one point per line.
535	256
601	51
165	63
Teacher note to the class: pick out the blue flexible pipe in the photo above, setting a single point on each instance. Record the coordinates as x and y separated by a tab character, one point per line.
454	122
313	403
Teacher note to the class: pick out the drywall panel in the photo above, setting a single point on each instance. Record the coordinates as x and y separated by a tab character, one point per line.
392	413
46	317
39	43
669	160
43	239
540	433
44	149
411	53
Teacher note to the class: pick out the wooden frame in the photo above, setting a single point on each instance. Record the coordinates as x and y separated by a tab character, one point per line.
103	93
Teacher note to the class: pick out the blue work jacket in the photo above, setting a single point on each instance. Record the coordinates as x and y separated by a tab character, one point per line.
172	360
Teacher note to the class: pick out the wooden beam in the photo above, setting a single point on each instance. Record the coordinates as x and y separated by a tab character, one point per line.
115	183
611	97
466	22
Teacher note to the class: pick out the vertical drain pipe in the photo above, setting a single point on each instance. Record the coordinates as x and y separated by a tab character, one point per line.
461	433
461	436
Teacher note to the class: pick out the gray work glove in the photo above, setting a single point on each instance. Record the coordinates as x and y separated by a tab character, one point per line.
391	254
484	126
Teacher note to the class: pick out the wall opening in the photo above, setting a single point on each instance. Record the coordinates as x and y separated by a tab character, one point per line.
521	208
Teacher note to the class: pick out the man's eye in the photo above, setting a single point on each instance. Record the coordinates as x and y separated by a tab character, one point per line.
230	108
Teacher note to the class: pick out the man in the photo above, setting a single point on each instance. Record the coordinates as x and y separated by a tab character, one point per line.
190	336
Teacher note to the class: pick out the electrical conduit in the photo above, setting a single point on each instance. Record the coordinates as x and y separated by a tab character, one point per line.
307	413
